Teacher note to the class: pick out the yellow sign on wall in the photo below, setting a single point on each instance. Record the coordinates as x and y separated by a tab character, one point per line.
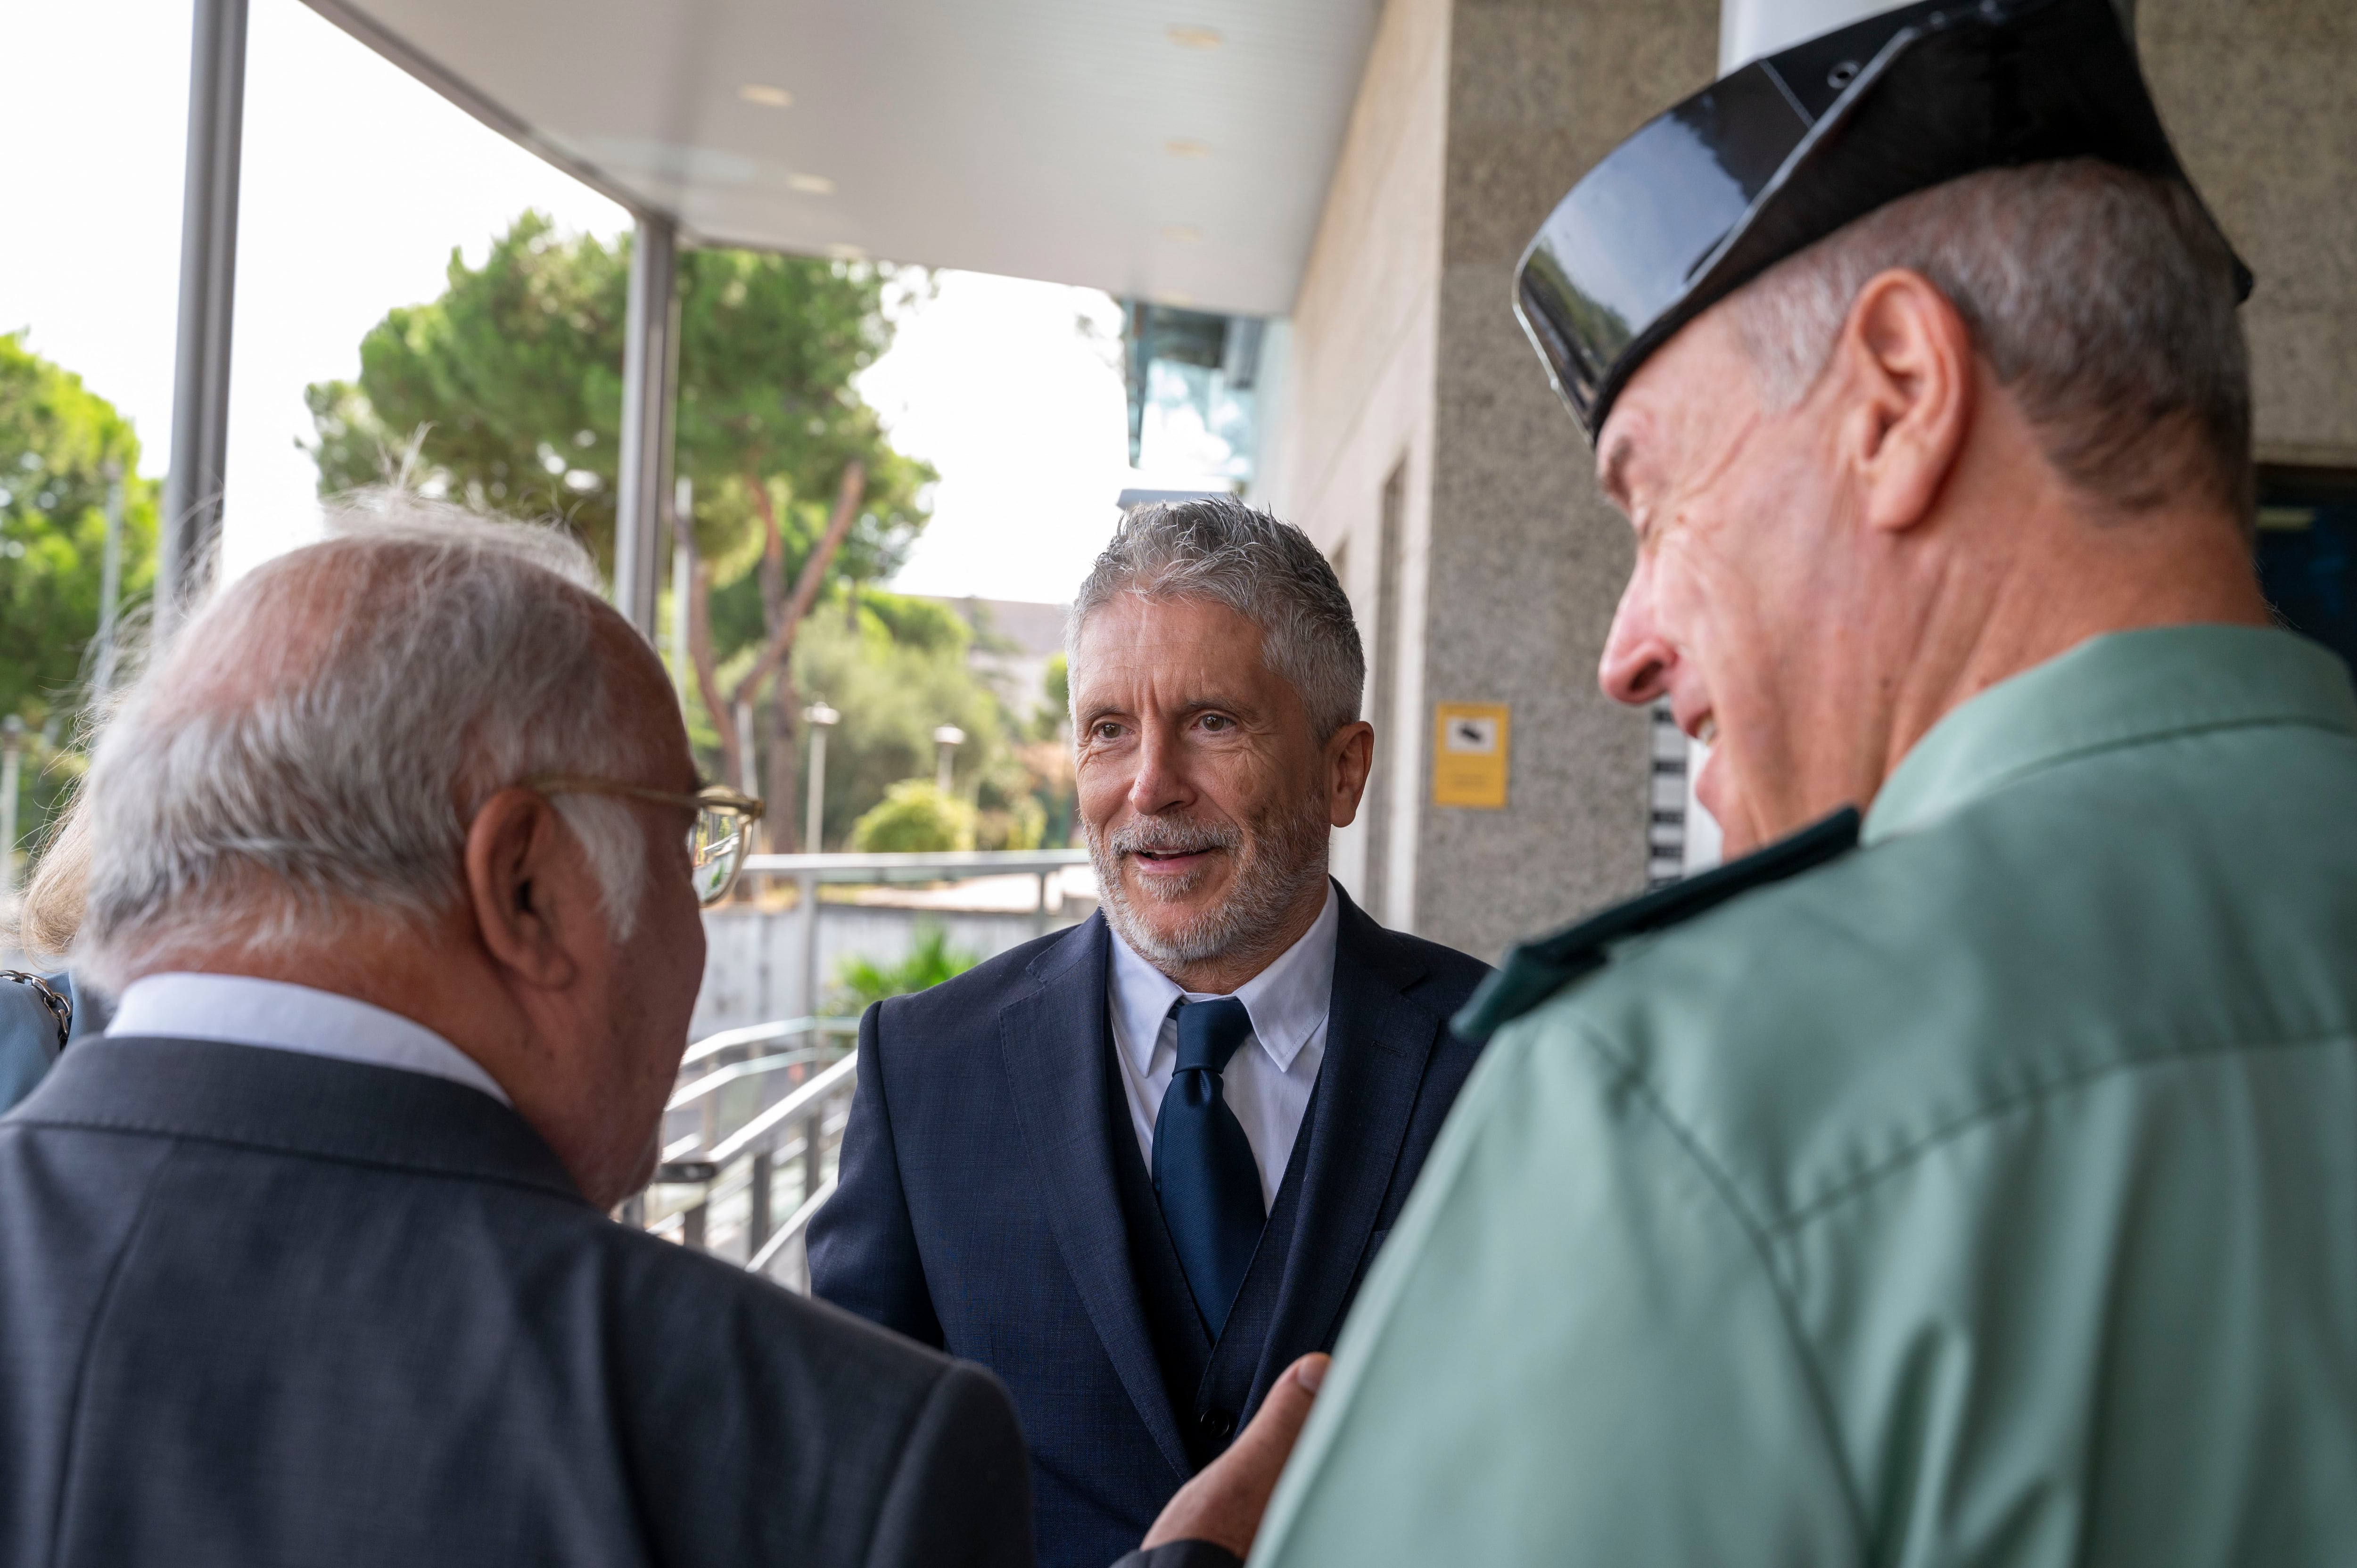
1469	754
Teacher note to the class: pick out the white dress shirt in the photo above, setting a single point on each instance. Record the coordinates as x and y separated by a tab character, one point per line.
271	1013
1267	1089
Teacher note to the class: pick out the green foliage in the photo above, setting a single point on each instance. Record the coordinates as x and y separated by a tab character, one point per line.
1056	707
892	694
507	390
915	818
57	442
860	984
1021	824
1057	687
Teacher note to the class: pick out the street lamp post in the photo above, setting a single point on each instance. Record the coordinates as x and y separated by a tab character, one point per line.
820	718
949	738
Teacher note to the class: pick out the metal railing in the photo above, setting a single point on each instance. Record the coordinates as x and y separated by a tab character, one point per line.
946	865
711	1182
720	1184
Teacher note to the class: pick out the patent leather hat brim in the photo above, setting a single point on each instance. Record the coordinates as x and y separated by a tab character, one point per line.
1783	152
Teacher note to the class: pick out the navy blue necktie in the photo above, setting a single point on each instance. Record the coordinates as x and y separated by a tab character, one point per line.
1204	1167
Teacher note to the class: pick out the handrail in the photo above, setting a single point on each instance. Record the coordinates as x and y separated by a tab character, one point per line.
793	1108
942	865
762	1034
719	1078
793	1228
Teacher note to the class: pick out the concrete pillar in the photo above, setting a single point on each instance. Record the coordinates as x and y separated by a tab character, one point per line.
649	376
1526	560
1422	450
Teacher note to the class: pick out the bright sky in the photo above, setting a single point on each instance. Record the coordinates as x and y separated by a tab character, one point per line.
358	181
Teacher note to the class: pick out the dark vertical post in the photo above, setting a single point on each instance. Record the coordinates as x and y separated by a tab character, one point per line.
758	1223
650	362
192	490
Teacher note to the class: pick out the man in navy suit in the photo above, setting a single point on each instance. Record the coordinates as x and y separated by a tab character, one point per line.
1138	1167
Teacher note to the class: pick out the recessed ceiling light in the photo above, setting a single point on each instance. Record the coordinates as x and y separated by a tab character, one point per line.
1181	147
1183	233
843	253
1175	301
766	96
810	184
1188	37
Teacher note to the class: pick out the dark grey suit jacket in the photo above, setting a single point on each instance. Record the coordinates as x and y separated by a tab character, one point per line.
264	1308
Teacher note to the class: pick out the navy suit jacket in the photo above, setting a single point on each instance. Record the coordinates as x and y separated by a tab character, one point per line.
993	1202
260	1308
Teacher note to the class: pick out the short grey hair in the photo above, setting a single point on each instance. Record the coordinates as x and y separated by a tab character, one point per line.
1217	547
310	750
2103	300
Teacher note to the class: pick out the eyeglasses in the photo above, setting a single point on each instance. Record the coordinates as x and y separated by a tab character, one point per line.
715	844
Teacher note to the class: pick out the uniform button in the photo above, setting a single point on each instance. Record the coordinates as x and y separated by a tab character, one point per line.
1218	1424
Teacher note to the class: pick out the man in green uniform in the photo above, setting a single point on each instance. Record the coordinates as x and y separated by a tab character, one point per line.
1974	1181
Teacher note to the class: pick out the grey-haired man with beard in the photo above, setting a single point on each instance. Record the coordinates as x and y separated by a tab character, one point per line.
1137	1167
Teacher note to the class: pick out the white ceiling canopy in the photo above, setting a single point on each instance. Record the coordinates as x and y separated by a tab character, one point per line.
1180	151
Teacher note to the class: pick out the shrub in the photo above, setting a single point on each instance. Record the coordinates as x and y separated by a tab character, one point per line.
915	818
859	983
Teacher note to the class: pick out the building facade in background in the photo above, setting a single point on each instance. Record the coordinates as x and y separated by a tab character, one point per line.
1404	422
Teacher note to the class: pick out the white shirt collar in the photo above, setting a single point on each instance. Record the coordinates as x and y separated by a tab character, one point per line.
1287	1001
243	1010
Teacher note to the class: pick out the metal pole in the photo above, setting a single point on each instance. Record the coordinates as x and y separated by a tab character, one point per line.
192	489
758	1223
807	886
650	360
811	1153
948	738
683	578
12	753
820	718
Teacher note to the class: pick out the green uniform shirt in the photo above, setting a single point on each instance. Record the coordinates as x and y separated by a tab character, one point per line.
1987	1194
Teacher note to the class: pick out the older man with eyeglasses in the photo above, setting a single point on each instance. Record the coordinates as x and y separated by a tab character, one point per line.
396	858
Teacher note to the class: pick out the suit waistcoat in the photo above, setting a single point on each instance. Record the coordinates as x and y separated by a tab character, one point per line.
1209	1384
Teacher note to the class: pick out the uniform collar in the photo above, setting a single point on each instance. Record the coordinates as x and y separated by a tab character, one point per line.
1287	1001
2124	689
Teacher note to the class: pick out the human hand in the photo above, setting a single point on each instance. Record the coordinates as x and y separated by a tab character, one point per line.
1225	1503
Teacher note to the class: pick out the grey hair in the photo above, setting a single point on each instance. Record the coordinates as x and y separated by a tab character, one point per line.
1217	547
308	750
2103	300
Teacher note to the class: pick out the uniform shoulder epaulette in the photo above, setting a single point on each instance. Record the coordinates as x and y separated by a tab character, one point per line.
1537	970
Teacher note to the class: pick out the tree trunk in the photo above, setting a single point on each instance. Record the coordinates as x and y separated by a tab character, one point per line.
784	616
707	679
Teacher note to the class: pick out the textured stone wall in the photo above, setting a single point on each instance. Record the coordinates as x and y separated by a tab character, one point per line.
1526	560
2258	97
1358	401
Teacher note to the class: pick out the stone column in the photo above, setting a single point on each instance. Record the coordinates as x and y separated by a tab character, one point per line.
1526	560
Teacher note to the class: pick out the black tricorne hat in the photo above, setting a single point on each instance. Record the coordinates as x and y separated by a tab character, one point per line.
1776	155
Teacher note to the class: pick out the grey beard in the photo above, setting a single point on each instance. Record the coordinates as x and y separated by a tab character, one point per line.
1274	863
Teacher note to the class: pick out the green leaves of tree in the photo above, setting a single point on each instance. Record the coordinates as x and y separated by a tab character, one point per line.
57	440
506	390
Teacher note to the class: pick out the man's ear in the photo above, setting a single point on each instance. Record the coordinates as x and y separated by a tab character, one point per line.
1910	375
1350	756
518	878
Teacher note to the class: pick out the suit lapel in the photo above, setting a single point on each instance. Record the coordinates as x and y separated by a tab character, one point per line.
1054	1041
1378	1043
